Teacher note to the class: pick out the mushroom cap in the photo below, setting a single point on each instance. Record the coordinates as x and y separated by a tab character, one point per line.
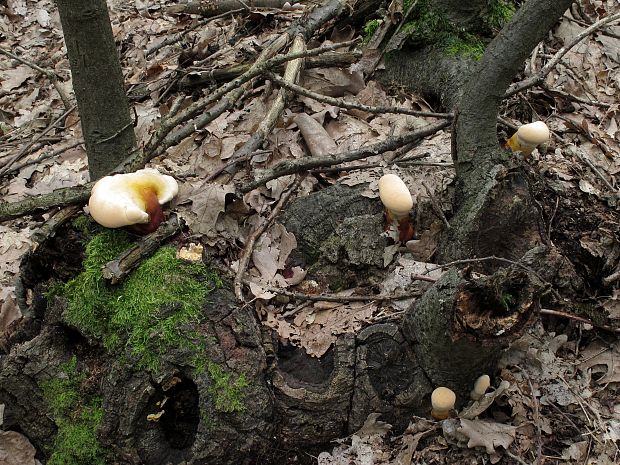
480	387
118	200
533	134
442	400
395	195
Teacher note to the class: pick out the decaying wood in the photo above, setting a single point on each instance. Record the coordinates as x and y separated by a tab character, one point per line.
459	326
210	8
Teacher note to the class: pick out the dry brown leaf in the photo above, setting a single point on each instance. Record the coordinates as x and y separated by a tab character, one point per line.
208	200
16	449
487	434
373	426
317	139
599	354
334	82
13	78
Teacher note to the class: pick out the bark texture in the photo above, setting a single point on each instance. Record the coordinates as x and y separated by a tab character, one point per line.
98	84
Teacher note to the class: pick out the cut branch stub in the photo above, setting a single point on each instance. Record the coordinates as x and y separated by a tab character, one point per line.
460	325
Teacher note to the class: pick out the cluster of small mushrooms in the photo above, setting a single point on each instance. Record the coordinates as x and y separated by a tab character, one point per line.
443	398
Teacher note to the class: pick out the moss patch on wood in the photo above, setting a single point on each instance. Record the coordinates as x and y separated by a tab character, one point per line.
76	417
150	312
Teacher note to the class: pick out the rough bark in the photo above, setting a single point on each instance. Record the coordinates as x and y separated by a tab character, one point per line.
486	191
98	84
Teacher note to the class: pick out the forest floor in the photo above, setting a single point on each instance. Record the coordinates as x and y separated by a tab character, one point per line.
561	404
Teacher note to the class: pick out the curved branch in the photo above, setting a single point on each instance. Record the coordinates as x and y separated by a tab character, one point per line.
476	135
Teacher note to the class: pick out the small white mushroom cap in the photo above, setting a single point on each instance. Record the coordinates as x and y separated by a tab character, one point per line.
395	195
480	387
442	400
533	134
118	200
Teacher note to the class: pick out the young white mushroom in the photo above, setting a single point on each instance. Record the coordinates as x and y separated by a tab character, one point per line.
442	401
528	137
396	199
132	199
480	387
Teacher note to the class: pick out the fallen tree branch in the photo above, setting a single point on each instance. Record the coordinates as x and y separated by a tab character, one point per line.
58	198
115	270
210	9
255	70
43	156
287	167
265	127
329	59
351	105
340	298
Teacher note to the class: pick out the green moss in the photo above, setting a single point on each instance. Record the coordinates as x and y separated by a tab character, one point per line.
82	223
369	29
150	311
430	27
469	46
77	420
227	394
500	12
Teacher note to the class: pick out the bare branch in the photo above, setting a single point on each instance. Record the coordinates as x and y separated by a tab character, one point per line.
296	166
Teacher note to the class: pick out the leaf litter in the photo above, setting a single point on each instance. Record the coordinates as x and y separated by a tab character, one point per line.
579	382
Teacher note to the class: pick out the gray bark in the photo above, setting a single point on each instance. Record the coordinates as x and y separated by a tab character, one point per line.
98	84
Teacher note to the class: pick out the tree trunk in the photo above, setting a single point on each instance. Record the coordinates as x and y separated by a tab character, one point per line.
98	84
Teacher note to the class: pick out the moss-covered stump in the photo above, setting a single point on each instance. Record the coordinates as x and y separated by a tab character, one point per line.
205	404
161	368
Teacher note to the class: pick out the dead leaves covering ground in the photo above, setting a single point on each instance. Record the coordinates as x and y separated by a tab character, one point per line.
559	398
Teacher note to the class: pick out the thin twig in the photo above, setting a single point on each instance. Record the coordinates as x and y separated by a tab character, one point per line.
249	245
545	70
256	70
177	37
570	316
50	74
26	147
436	205
364	166
43	156
291	74
351	105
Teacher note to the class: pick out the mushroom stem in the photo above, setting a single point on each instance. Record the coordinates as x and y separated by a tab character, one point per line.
480	387
405	228
154	210
398	203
